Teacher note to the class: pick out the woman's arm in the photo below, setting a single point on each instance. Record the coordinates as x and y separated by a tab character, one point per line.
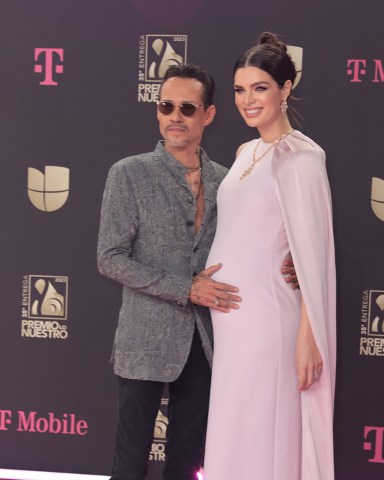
308	359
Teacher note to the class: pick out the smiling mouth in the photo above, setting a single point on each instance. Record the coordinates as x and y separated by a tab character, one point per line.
252	111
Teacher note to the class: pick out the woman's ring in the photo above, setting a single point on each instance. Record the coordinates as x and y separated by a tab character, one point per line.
217	301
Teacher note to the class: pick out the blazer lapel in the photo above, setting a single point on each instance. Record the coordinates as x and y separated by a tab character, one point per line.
211	184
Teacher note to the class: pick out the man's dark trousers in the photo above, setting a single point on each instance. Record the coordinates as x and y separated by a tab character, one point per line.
139	402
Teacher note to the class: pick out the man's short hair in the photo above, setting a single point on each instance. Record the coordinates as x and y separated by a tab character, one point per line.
191	70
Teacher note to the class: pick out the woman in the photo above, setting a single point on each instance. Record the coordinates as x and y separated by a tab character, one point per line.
274	362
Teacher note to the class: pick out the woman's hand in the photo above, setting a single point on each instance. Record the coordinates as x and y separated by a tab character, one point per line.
288	270
308	359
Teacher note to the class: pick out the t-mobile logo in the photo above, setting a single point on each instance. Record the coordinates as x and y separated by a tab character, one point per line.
48	59
374	443
361	69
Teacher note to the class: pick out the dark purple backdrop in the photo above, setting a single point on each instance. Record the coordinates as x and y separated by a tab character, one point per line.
86	114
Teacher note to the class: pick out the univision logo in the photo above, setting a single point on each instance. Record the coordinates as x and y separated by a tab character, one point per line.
48	191
296	54
377	197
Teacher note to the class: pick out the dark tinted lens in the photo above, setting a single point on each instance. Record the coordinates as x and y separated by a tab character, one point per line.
166	108
187	109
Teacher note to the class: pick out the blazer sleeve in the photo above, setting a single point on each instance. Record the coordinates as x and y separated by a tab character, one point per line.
118	229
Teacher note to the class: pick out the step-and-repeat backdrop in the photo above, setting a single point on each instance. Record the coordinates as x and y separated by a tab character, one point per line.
77	89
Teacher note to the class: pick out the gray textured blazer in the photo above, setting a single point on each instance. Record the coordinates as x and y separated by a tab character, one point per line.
147	242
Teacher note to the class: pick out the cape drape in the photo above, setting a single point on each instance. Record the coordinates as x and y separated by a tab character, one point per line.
302	186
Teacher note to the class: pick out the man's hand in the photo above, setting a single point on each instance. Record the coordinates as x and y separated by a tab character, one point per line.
209	293
288	269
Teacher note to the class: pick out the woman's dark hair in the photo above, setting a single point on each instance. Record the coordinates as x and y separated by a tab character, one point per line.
270	55
198	73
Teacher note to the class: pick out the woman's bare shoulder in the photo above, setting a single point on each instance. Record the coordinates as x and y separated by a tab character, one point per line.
241	148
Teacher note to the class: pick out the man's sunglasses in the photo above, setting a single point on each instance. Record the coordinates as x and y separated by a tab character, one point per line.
188	109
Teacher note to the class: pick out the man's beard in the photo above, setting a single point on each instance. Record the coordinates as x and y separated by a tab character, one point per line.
175	143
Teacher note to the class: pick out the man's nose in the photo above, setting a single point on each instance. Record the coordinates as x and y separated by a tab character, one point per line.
176	115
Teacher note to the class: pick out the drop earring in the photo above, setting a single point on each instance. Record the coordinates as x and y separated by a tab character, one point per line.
284	107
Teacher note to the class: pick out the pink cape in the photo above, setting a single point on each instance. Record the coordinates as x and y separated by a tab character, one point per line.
301	181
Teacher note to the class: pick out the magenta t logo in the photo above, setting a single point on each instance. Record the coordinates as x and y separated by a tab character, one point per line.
5	419
49	55
376	445
356	67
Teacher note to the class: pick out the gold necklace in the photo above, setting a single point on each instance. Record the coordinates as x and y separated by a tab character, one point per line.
248	170
194	182
198	168
193	169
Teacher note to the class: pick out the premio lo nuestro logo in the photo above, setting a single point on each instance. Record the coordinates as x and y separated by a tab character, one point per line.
158	446
48	191
372	323
160	426
44	307
377	197
156	54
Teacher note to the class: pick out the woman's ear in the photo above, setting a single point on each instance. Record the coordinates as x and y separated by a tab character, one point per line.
286	90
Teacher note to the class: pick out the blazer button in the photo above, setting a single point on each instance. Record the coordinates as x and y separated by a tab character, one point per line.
189	223
190	199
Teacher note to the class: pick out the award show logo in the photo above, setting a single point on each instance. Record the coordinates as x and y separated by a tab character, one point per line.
48	191
158	445
360	69
156	54
44	307
375	445
377	197
48	59
296	53
372	323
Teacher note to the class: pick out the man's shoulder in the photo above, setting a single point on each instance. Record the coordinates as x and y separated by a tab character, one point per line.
220	170
136	159
219	167
135	163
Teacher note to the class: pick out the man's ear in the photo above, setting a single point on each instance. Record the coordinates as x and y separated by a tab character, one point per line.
210	113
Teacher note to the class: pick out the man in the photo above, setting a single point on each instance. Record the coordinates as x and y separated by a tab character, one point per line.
158	221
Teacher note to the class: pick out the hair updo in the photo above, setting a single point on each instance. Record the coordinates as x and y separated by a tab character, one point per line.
269	54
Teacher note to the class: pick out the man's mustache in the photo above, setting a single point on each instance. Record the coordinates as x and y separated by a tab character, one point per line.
181	126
